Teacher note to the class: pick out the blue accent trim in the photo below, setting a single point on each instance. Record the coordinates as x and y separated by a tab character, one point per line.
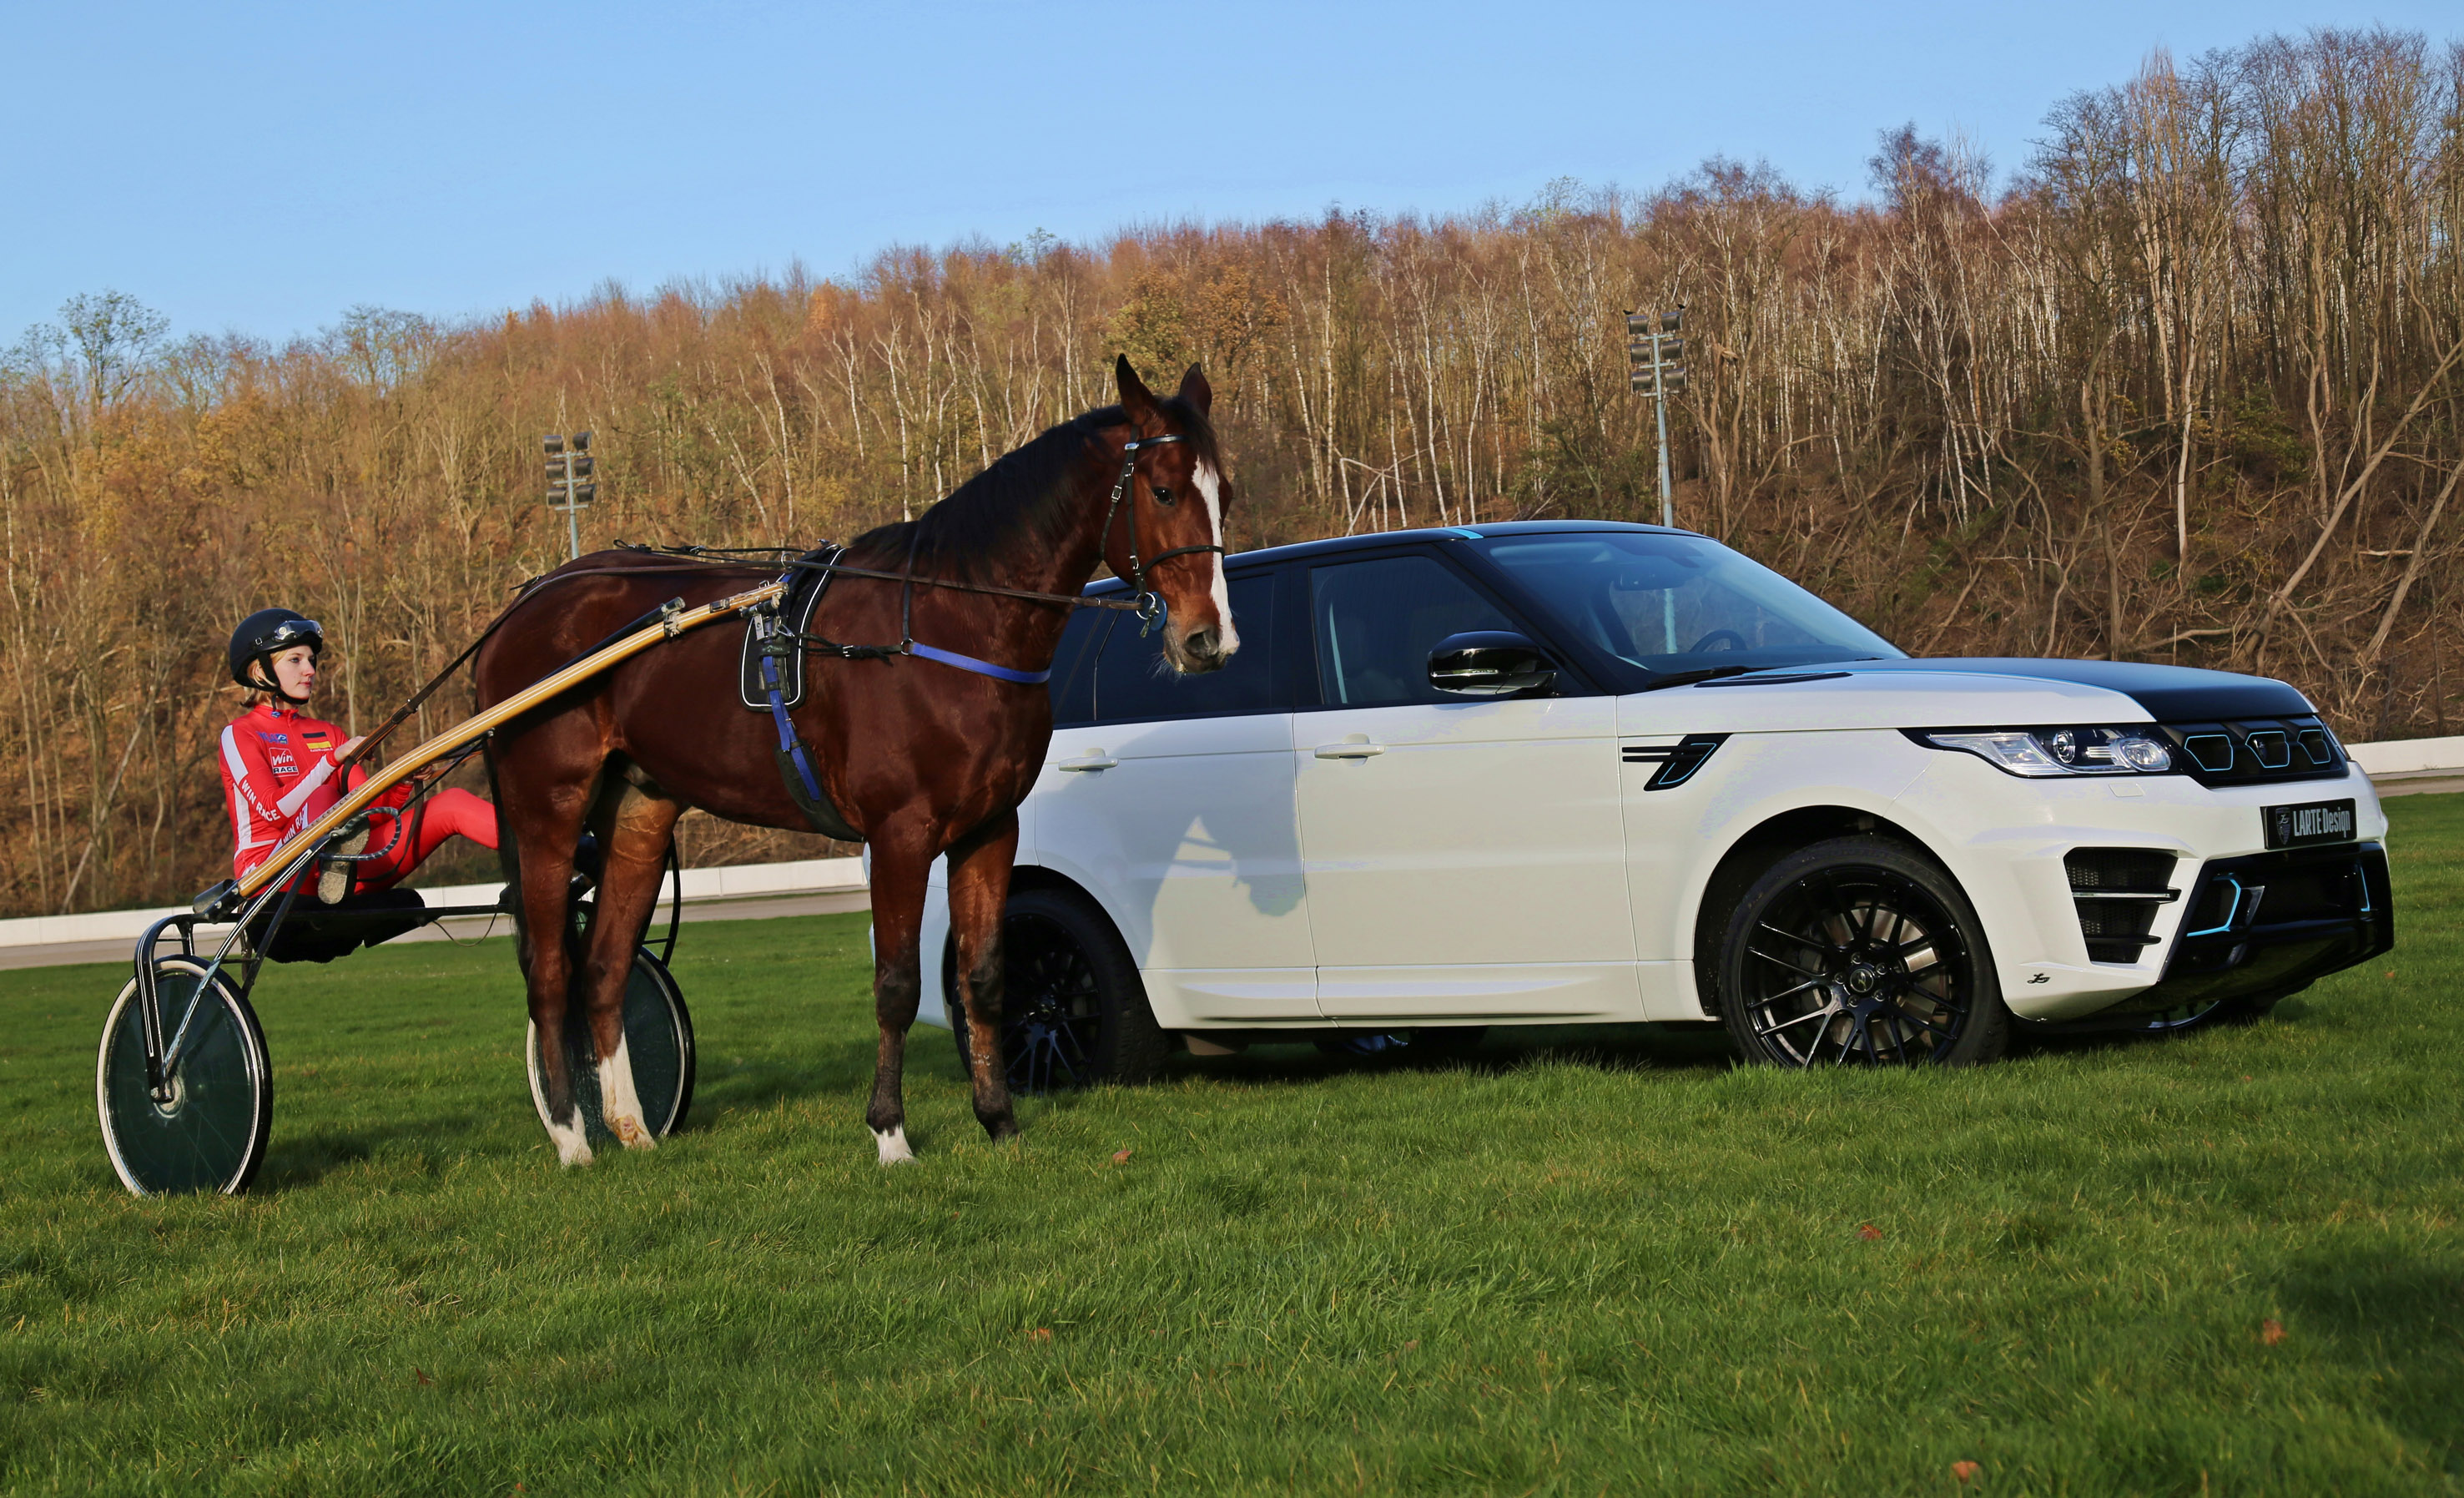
1459	531
931	652
2232	911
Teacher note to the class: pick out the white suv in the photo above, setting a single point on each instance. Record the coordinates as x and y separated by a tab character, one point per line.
1580	772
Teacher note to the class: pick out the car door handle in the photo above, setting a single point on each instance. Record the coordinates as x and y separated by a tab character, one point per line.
1098	760
1349	751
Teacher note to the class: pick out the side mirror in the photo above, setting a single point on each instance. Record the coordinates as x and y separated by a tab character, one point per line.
1489	663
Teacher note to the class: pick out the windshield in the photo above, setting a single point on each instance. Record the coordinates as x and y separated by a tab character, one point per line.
1671	604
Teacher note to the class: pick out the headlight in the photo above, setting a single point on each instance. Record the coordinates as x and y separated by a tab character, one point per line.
2063	751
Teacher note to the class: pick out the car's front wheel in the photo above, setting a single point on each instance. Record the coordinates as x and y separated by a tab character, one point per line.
1859	949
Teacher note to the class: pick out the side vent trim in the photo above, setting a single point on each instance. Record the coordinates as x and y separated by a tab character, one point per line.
1676	761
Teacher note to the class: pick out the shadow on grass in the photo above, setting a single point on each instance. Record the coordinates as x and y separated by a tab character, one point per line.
1507	1050
2397	1319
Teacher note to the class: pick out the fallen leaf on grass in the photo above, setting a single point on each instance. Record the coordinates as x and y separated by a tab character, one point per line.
420	1376
2271	1330
1040	1334
1121	1158
1964	1470
1870	1233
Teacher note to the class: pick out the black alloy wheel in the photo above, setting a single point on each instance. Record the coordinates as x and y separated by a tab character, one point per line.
1859	950
1074	1011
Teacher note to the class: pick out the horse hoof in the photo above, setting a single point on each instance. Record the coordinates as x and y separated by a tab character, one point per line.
632	1134
572	1147
892	1144
1001	1129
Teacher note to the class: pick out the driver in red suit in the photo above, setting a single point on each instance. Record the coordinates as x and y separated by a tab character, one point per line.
279	776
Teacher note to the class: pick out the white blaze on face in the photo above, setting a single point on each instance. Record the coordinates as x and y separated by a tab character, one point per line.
1210	488
618	1104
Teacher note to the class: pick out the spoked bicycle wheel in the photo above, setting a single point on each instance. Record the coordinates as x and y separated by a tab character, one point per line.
208	1128
658	1041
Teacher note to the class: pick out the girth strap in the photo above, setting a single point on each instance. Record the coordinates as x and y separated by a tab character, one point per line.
794	756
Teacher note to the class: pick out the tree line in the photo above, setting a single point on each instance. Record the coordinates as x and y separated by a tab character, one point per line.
2185	388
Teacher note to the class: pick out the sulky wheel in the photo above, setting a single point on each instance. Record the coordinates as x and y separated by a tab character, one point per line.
1859	949
658	1041
206	1128
1073	1008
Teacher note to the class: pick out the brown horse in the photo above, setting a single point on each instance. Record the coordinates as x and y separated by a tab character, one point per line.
919	756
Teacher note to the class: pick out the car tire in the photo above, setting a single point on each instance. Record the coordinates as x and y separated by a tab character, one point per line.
1859	949
1074	1011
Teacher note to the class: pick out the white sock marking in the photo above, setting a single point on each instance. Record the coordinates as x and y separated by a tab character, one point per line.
571	1148
1210	488
618	1102
892	1143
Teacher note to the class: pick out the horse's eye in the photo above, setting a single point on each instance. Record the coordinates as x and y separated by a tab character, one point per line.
1162	492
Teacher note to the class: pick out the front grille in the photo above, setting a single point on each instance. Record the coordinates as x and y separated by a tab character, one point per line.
2116	891
2255	751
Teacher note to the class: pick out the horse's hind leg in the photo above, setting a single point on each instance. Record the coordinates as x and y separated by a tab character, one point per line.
543	793
633	820
898	875
979	869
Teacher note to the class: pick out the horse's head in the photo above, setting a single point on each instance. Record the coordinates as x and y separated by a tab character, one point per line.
1177	502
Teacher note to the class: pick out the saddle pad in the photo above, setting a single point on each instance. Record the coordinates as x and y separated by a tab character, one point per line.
795	614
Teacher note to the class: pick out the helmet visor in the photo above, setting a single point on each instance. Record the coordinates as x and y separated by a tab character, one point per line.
288	633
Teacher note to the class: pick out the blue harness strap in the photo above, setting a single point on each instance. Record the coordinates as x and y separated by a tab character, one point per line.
934	652
789	744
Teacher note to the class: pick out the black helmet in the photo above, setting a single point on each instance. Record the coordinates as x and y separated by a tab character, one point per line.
269	633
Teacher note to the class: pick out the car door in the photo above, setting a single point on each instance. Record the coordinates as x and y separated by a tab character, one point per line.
1464	858
1175	804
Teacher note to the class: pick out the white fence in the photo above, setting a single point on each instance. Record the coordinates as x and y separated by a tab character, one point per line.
735	882
2392	765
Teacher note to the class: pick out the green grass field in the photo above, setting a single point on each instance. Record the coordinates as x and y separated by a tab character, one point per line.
1609	1262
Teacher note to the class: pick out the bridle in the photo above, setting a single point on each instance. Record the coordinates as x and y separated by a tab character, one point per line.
1150	608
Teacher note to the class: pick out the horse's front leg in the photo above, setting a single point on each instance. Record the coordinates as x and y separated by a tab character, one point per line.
979	869
633	822
899	868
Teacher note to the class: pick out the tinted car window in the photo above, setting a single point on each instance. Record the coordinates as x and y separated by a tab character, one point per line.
1677	603
1073	667
1132	680
1376	623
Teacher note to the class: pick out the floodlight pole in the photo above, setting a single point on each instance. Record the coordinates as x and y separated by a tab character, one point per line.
569	482
1660	409
573	512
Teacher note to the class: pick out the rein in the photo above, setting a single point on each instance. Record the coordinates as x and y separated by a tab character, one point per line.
1141	600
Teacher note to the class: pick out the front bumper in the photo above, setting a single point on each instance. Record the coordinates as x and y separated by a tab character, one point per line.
2265	925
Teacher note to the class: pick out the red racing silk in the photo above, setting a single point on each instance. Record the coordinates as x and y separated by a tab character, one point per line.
278	776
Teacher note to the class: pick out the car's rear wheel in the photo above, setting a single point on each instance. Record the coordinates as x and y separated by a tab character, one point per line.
1859	949
1074	1011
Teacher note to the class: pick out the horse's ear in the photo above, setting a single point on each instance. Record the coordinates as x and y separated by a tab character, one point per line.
1195	390
1137	402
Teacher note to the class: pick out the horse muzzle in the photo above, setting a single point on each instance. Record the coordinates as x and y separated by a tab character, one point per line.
1199	651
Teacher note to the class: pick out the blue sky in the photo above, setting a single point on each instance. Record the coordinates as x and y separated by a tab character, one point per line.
262	167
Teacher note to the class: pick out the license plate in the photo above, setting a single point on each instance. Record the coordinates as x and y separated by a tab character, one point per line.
2310	822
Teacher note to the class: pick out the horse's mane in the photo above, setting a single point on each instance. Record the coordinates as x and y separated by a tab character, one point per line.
1023	500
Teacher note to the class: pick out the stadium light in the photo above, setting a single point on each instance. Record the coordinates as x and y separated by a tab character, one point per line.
570	487
1655	354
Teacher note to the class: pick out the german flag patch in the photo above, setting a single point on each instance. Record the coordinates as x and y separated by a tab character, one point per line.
316	740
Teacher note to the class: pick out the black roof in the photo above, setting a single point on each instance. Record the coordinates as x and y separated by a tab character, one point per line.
1337	546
